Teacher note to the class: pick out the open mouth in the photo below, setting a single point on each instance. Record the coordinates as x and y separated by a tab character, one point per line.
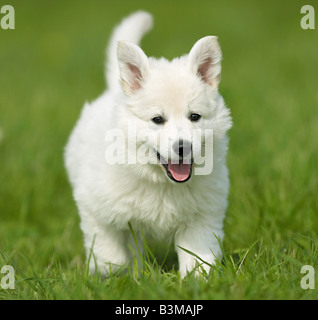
178	172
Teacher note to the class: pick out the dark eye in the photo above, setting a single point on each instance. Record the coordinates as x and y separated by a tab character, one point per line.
194	117
158	120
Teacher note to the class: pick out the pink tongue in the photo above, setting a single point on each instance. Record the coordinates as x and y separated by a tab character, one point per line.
179	171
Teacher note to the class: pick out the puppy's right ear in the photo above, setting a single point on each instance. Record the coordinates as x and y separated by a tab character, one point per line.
133	66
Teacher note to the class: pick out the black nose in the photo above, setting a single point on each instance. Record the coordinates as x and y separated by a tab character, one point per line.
182	148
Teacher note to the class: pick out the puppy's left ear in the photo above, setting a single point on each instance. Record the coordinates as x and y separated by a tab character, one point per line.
133	66
205	60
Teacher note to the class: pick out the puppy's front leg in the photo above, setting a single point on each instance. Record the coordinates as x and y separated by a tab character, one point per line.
105	245
199	238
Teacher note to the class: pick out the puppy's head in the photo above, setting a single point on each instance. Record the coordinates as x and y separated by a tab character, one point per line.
175	107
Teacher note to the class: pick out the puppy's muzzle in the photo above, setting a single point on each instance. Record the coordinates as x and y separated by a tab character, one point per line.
182	148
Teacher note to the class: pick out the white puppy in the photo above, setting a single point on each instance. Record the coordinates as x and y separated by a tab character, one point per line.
142	153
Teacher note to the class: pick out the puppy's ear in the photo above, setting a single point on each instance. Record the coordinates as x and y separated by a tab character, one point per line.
205	60
133	66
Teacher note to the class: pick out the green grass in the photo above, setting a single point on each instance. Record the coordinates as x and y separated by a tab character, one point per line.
53	62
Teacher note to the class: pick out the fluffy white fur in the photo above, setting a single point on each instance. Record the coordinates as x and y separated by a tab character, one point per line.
111	196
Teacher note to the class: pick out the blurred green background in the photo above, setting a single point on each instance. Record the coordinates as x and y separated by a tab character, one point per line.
54	61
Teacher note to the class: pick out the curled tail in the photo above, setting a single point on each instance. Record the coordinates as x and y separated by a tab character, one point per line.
132	29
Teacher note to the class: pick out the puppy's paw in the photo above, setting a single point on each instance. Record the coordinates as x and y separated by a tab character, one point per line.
200	265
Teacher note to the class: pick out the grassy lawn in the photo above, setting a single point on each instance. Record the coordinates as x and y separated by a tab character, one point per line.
54	61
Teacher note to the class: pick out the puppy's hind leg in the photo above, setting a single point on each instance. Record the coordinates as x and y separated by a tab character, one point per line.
106	248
